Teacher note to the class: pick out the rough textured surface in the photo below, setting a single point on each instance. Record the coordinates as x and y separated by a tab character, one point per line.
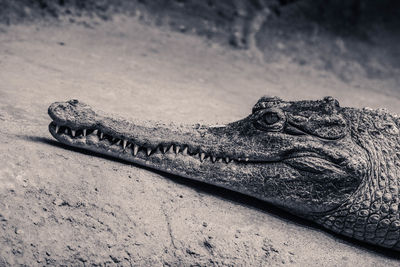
59	207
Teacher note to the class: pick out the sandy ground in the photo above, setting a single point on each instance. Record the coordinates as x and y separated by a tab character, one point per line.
62	206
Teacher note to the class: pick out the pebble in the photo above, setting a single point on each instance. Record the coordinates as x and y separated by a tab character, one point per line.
58	201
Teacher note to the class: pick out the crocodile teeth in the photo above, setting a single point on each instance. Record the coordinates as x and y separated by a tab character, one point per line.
124	144
135	150
162	148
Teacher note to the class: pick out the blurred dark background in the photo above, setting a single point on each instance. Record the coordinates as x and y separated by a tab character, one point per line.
349	38
211	16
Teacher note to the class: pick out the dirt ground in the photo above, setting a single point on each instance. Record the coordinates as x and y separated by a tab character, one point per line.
60	206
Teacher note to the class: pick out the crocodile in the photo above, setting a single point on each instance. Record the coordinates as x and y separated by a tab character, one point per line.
336	166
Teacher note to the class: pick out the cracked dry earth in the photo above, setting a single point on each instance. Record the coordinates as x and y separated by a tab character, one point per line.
61	206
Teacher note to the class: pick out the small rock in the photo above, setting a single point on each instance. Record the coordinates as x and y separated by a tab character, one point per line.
114	259
182	28
190	252
207	244
16	251
82	259
3	218
58	201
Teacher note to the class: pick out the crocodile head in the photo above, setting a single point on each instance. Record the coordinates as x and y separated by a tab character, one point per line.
312	158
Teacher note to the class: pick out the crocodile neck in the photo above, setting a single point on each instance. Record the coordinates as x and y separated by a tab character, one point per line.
372	213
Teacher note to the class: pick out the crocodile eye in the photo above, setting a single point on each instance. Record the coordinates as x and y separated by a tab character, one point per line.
271	118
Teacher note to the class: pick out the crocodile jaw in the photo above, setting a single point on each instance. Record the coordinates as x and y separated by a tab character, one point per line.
185	161
148	155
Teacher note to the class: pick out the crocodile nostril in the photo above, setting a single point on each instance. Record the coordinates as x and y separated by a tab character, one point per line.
73	101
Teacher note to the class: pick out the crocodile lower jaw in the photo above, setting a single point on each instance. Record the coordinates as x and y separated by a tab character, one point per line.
98	141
